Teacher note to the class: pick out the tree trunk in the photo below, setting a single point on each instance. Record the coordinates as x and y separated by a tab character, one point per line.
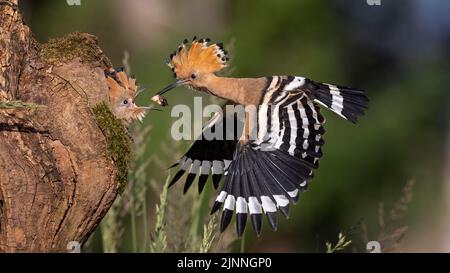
58	177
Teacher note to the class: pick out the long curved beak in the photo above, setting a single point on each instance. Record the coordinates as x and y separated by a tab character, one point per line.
172	86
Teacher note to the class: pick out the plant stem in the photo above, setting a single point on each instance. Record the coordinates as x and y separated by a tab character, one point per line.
242	249
133	224
146	231
19	105
195	220
197	217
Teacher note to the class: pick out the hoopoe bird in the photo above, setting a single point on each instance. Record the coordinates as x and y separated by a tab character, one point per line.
258	181
122	92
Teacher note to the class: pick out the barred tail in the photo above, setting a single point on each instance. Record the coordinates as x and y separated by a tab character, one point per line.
348	103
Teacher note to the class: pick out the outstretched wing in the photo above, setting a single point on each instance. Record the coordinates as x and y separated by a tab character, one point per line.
269	171
210	156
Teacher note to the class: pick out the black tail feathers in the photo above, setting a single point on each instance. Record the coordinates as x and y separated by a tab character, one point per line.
349	103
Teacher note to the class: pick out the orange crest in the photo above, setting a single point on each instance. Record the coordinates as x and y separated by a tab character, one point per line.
199	57
120	84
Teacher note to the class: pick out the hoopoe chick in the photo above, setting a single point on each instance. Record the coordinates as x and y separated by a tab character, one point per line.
267	170
122	93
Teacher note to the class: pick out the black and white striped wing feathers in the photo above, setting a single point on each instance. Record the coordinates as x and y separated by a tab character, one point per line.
269	172
209	156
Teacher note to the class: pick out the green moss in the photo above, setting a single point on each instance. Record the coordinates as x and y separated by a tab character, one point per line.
82	45
117	138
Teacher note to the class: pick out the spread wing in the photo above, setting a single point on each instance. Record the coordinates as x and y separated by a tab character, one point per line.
270	170
210	156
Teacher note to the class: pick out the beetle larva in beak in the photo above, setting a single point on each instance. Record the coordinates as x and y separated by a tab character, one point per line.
160	100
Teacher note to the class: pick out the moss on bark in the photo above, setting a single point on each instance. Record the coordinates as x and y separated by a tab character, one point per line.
117	139
77	44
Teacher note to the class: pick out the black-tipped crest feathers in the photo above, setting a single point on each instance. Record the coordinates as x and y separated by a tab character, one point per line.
198	56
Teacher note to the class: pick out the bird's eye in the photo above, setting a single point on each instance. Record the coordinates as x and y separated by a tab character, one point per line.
125	102
193	76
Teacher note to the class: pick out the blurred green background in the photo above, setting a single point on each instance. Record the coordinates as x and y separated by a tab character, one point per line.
398	52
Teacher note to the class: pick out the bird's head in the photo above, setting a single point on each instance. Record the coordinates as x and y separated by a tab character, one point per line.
193	64
122	94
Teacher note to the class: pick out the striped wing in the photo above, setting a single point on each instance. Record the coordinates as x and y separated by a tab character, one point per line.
209	157
268	172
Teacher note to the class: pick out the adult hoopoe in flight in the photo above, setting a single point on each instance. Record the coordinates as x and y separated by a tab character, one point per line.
288	125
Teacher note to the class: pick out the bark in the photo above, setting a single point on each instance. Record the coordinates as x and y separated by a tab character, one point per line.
57	176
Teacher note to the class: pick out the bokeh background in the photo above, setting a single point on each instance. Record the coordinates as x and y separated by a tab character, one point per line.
385	179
